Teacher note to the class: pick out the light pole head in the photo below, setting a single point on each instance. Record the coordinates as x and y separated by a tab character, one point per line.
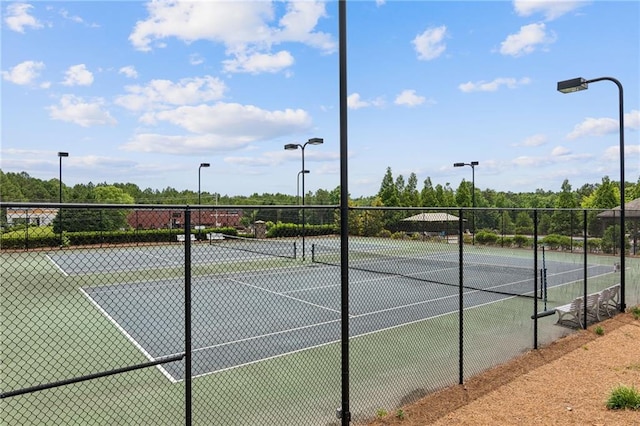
205	165
291	146
458	164
474	163
305	171
63	154
573	85
315	141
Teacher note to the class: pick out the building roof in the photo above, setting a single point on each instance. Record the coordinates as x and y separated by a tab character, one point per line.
631	209
433	217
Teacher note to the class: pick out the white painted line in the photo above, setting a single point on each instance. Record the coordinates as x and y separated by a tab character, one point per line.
57	266
283	295
127	335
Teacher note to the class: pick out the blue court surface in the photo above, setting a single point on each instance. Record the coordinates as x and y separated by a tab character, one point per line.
243	318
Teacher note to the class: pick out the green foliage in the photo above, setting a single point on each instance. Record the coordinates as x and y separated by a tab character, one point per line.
635	311
291	230
624	398
611	240
385	233
400	235
522	241
599	330
555	242
400	414
381	412
486	237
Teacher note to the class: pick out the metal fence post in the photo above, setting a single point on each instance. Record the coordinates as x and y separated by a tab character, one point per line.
584	267
187	315
535	279
461	298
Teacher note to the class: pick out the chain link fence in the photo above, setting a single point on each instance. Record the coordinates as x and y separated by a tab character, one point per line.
231	315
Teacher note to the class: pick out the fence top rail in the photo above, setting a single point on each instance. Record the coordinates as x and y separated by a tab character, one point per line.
33	205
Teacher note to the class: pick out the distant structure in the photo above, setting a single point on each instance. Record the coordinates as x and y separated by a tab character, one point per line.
163	219
26	216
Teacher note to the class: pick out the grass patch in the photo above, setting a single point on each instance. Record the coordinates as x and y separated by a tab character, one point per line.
624	398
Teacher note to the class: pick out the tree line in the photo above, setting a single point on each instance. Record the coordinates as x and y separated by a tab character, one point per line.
393	192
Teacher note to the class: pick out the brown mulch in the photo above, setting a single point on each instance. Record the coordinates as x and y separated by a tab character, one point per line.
565	383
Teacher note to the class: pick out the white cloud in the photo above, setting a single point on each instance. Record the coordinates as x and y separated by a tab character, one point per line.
196	59
632	119
246	122
355	102
630	151
492	86
527	40
535	140
559	151
551	9
183	144
25	73
78	75
159	94
430	44
594	126
259	62
129	71
74	109
18	17
246	29
74	18
409	97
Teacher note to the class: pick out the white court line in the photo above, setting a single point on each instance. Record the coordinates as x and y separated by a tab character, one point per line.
128	336
57	266
283	295
247	339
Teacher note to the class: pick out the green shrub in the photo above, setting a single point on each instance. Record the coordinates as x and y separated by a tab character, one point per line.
599	330
635	311
623	397
398	235
486	237
385	233
555	241
522	241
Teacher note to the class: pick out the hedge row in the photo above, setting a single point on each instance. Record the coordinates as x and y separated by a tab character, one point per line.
105	237
291	230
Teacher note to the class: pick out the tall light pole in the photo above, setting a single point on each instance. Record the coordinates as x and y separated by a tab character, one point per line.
578	84
292	146
199	209
60	155
298	184
473	165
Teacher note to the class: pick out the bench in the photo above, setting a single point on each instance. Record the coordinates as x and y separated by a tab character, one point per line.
604	300
181	237
215	236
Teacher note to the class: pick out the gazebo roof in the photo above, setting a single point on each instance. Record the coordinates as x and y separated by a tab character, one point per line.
432	217
631	210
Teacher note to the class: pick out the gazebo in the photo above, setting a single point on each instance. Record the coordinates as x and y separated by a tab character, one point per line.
631	213
432	224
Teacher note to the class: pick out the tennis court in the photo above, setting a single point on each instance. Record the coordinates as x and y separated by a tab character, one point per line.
244	317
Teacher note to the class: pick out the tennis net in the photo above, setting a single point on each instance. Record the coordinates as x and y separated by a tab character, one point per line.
276	248
479	275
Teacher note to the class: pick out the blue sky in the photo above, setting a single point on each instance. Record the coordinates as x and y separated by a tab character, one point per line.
143	92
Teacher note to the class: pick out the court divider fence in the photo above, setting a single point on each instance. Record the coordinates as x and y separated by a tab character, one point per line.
174	314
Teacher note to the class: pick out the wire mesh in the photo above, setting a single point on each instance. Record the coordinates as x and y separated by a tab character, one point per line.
93	304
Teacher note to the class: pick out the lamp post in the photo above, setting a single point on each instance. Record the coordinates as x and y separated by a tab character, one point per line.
298	184
293	146
199	209
578	84
60	156
473	165
298	189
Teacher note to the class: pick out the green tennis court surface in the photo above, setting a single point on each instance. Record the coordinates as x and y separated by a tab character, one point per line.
243	318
